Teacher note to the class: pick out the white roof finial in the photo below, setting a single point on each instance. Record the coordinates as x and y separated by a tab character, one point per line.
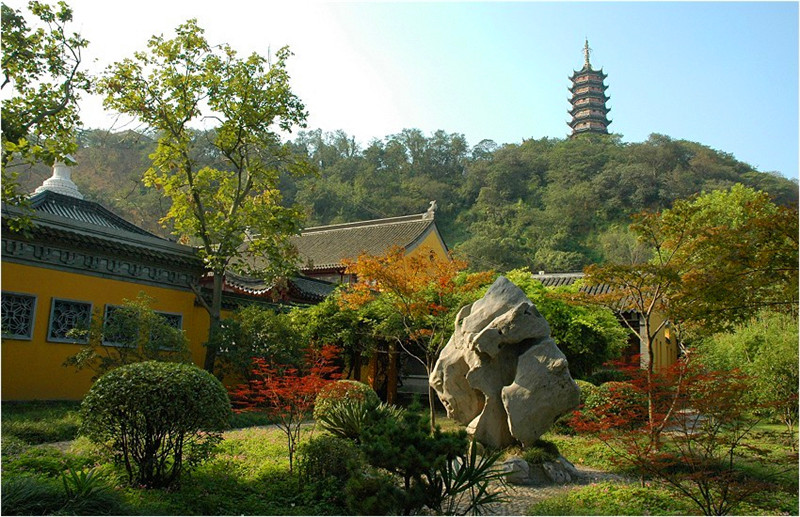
61	181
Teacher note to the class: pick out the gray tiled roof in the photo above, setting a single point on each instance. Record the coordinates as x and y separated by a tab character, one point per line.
325	247
69	207
310	288
86	225
560	279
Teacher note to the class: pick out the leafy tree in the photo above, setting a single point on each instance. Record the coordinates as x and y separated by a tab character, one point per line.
716	258
765	349
287	392
417	297
736	251
132	333
256	331
699	422
588	335
41	68
236	201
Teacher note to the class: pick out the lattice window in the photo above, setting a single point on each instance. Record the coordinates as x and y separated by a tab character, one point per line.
173	319
19	311
120	330
66	315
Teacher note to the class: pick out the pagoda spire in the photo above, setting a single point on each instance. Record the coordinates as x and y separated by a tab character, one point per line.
586	52
589	111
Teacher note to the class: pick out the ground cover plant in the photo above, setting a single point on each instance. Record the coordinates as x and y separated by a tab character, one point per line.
250	475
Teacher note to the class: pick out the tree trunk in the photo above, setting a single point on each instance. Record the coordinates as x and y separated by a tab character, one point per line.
214	317
391	376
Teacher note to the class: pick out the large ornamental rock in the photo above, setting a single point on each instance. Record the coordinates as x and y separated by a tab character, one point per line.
501	374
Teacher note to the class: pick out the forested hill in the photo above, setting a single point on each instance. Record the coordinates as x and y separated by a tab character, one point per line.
549	204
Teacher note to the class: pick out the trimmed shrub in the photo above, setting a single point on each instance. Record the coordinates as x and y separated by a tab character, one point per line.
159	418
587	389
602	376
328	456
342	391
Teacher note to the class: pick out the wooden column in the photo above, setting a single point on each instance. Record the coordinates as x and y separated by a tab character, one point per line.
391	381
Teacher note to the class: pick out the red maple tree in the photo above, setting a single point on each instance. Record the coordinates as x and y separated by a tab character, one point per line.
287	392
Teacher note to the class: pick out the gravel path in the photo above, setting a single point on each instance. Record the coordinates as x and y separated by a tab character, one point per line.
520	497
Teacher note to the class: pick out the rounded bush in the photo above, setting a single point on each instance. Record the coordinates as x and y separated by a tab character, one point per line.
159	418
617	398
587	389
327	456
341	392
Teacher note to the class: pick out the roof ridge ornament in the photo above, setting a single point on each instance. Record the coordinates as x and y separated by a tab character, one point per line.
61	180
431	210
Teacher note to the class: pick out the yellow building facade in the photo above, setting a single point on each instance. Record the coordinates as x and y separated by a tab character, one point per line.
76	262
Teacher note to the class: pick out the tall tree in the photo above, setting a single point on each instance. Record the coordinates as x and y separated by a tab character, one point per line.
41	85
236	203
418	297
717	259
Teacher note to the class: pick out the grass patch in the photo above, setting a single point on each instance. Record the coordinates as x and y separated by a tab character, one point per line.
40	422
251	419
613	499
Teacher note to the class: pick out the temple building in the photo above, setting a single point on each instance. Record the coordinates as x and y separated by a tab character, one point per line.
78	261
589	111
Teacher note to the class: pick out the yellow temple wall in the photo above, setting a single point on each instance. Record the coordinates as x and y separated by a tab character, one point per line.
431	242
32	369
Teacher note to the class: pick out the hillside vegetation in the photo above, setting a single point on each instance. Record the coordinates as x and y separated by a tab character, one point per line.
548	204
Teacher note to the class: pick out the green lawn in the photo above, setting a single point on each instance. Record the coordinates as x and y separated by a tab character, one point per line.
249	475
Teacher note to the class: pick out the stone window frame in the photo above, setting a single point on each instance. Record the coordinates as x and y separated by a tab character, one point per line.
29	335
50	337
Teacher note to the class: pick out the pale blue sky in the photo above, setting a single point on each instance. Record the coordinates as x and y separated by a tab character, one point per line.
722	74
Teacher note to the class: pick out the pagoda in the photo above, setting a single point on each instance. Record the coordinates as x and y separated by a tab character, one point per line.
589	111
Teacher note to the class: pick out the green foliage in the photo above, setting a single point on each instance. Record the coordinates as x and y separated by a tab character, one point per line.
78	494
436	469
587	335
160	418
734	250
235	202
350	418
765	348
540	451
612	499
342	392
41	88
326	463
40	422
132	333
256	331
616	398
606	375
372	492
587	389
